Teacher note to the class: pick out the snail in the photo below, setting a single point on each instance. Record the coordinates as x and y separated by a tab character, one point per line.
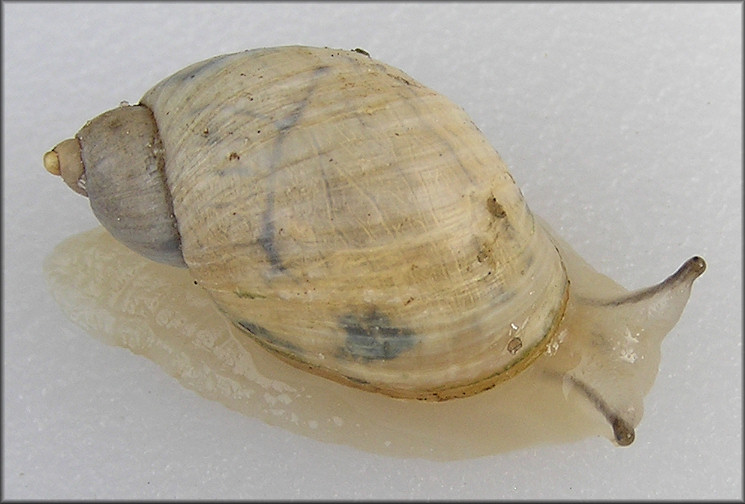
358	225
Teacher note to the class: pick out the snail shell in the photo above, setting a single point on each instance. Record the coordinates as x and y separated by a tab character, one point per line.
357	224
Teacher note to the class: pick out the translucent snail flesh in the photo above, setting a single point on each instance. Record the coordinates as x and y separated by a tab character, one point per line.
360	226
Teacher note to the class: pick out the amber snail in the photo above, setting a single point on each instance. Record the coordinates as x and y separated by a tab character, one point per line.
359	225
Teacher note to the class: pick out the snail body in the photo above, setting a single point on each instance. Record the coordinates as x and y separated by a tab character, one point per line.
359	225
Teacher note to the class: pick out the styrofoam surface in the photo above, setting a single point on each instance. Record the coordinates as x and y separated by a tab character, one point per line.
622	123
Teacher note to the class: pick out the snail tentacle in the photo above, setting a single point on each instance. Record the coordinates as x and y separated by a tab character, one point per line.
623	432
610	349
685	275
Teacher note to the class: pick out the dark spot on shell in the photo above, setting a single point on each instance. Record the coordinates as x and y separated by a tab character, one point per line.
495	208
356	380
248	295
255	329
371	336
514	345
264	335
206	67
267	242
399	78
483	254
361	51
234	156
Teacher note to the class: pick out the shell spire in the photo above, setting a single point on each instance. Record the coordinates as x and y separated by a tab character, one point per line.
117	161
65	160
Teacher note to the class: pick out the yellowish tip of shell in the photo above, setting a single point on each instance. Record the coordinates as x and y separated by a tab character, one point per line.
51	163
65	160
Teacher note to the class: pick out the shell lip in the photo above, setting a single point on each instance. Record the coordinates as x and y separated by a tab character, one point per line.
490	381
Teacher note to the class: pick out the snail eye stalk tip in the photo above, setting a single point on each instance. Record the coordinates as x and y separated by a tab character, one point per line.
623	432
694	267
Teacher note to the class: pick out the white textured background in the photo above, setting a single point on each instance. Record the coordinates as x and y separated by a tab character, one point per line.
622	124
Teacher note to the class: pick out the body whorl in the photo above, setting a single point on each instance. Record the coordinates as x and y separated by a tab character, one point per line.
355	221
